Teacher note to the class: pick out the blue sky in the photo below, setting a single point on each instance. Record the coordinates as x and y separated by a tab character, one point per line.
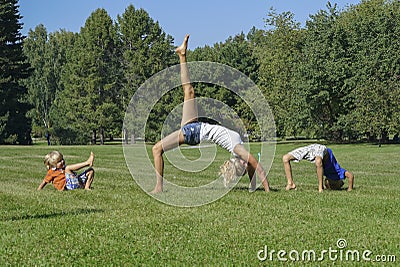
207	21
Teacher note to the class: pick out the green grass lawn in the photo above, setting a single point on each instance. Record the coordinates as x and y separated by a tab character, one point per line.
119	224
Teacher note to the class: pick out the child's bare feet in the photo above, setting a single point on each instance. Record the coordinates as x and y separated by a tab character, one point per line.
90	159
181	50
291	187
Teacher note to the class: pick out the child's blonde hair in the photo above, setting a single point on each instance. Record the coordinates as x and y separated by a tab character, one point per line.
232	169
51	159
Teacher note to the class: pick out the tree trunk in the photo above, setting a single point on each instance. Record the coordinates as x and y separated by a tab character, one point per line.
384	136
133	139
125	136
101	136
94	137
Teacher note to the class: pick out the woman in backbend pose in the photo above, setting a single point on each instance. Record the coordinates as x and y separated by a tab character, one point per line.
192	132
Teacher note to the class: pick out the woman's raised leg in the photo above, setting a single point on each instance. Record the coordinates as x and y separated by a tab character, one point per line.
189	113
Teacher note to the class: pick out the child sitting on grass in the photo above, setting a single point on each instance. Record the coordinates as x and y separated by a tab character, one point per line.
63	176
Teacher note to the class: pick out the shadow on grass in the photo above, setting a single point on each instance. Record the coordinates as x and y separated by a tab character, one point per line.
50	215
260	188
273	189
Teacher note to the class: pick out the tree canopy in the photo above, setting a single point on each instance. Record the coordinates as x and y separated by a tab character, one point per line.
335	78
14	125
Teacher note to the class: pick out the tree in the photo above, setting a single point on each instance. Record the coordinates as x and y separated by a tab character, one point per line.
279	53
89	103
145	50
47	54
326	71
373	30
15	127
39	94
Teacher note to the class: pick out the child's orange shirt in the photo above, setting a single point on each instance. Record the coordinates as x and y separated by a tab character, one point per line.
57	177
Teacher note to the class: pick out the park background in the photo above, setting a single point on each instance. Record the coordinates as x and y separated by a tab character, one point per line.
333	80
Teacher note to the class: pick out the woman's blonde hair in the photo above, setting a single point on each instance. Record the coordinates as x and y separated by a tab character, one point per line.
51	159
232	169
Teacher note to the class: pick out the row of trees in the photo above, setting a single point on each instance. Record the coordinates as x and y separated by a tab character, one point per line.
14	125
336	78
82	82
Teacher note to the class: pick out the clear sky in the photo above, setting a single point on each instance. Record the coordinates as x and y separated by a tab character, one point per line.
207	21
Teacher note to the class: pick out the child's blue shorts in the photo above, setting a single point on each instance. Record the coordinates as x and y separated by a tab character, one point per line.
75	181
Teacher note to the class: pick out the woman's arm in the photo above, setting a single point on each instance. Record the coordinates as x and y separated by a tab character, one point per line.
241	151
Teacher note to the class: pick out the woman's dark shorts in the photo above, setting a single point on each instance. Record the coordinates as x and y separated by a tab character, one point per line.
191	133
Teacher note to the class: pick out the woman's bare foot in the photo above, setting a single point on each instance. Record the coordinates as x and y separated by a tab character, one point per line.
181	50
265	185
156	190
291	187
90	159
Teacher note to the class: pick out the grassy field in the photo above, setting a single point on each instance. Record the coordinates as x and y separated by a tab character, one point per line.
118	224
